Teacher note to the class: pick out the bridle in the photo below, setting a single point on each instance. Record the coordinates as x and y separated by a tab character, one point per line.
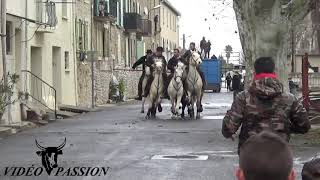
195	78
177	85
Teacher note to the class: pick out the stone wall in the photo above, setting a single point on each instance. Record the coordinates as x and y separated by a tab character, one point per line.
104	68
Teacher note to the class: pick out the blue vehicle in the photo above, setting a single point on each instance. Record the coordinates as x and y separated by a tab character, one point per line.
212	72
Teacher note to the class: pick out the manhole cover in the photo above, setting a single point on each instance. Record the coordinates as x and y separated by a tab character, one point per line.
180	157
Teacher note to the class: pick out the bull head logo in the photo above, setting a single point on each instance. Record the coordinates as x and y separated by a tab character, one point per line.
49	155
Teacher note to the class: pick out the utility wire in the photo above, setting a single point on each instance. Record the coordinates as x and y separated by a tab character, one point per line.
32	35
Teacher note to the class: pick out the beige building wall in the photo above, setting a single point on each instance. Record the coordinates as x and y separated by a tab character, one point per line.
169	18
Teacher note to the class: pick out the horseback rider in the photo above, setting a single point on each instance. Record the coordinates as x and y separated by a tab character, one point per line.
142	61
186	58
173	62
149	63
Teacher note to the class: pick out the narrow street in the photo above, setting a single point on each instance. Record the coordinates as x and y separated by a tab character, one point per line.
119	137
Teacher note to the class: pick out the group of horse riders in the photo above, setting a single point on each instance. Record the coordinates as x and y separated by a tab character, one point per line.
148	62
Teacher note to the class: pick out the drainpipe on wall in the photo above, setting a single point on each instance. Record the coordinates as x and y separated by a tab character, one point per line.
75	69
92	60
4	49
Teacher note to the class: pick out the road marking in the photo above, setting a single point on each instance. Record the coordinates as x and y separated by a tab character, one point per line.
181	157
213	117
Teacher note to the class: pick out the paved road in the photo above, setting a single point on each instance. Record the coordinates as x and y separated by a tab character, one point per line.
120	138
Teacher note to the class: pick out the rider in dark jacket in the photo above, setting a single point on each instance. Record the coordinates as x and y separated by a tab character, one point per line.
142	61
186	58
173	62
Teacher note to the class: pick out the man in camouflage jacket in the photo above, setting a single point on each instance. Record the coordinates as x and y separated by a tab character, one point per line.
264	106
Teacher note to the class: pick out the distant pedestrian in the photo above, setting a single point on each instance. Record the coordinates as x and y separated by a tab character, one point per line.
236	84
265	106
203	43
293	87
228	79
207	49
265	156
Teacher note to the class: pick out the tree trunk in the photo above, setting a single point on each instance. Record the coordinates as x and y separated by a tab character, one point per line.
264	31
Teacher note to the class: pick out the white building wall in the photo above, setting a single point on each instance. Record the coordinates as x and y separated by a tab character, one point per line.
45	38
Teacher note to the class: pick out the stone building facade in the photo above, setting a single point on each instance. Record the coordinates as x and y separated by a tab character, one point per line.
116	43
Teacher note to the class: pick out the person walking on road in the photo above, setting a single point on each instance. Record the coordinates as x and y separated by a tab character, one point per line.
265	106
236	84
228	79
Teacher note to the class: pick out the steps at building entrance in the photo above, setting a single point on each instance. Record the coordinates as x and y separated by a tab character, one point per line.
74	109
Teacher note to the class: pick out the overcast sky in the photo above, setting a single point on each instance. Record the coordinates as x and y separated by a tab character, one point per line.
222	25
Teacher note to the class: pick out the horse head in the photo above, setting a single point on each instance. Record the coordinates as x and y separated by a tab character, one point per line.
178	72
195	58
158	65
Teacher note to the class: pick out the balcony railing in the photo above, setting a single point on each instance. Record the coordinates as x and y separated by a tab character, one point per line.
314	79
133	22
105	10
146	27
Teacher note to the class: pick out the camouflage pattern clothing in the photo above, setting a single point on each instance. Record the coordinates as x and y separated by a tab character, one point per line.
265	107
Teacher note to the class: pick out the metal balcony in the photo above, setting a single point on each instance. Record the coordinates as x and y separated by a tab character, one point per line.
105	10
132	22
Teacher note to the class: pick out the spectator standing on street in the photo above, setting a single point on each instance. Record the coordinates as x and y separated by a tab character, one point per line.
203	43
293	87
236	84
228	79
265	106
265	156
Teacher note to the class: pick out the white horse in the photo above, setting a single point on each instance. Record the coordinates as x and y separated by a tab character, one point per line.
144	83
194	84
156	88
175	89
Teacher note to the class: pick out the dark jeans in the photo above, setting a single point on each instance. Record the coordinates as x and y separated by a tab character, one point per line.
140	85
207	55
228	85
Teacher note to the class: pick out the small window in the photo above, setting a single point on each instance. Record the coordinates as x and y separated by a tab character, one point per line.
66	60
64	9
8	37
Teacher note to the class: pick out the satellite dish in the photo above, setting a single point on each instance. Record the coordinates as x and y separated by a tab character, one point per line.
146	11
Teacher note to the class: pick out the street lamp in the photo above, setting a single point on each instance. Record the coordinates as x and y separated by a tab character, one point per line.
154	8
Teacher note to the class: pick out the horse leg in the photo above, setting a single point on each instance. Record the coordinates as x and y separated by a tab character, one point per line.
199	108
191	109
154	111
179	97
150	108
172	107
143	101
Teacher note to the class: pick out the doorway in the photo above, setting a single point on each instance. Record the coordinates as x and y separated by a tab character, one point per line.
36	69
56	72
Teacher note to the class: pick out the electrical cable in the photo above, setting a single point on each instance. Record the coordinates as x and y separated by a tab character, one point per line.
32	35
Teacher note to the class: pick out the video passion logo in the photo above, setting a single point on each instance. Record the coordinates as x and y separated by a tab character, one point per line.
49	159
